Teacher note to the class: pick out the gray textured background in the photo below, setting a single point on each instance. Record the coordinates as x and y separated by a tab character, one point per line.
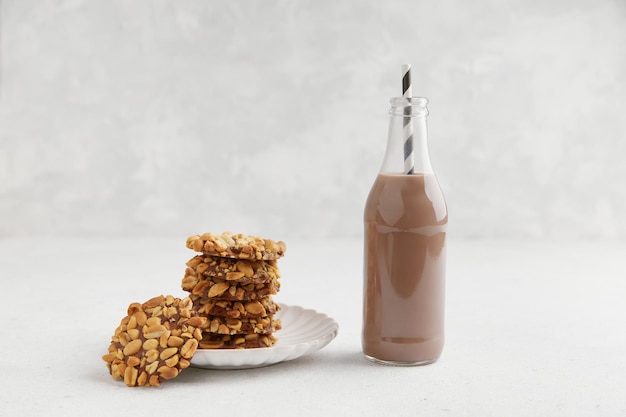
166	118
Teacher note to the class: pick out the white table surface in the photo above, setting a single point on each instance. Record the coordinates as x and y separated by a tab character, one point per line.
533	329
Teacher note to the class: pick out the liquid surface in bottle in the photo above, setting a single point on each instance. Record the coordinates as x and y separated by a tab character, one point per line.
404	269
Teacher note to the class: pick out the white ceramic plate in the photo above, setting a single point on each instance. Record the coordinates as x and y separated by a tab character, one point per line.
304	331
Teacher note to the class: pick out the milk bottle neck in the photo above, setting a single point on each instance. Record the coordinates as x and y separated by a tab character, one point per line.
407	141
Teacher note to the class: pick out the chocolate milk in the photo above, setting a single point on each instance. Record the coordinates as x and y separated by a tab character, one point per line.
404	270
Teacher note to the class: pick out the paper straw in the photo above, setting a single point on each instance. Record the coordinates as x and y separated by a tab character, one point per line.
407	123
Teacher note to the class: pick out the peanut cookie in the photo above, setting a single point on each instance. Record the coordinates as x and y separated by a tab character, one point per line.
229	245
155	341
227	325
220	289
235	309
243	271
236	341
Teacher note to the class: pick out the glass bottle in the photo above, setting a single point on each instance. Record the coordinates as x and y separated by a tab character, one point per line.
406	221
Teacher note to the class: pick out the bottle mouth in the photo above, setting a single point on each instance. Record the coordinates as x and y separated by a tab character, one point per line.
409	106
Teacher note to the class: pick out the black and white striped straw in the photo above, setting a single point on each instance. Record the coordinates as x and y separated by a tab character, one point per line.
407	124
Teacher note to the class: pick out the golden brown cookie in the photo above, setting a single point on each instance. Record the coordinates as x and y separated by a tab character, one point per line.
227	325
243	271
235	309
229	245
155	341
219	289
236	341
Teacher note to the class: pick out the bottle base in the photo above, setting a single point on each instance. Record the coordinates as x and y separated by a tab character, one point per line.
400	363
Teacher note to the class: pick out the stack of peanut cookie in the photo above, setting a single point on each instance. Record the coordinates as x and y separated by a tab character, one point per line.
231	283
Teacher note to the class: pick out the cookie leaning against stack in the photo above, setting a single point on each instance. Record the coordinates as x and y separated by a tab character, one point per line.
231	284
155	341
